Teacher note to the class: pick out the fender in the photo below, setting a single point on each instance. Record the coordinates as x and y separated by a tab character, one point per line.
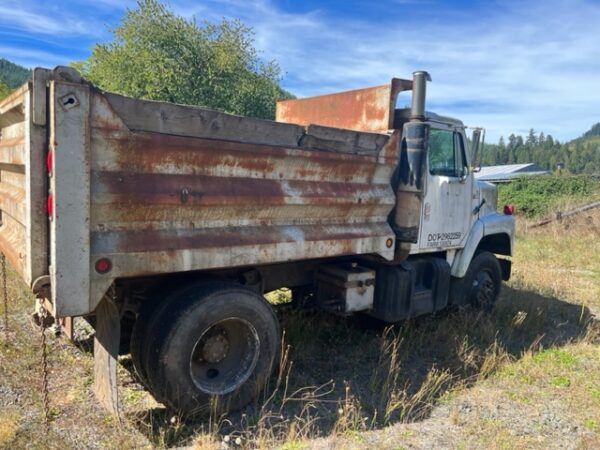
488	225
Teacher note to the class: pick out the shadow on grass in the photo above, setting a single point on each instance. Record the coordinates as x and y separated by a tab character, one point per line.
356	373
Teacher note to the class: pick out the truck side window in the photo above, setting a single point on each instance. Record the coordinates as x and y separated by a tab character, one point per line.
441	153
446	154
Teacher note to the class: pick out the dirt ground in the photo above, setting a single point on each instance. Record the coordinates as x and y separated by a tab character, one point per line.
525	376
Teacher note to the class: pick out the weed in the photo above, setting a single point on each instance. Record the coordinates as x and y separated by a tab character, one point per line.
294	445
9	425
555	356
131	396
560	381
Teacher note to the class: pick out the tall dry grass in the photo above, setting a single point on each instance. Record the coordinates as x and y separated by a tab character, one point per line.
376	376
340	376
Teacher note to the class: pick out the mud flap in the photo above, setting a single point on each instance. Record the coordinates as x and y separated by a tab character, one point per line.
106	351
505	267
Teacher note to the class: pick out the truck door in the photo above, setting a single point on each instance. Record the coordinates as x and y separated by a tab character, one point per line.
448	198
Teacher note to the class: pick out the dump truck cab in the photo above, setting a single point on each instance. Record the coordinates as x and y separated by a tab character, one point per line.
457	211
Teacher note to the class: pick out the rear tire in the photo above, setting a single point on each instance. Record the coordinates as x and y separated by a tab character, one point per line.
481	284
150	313
216	341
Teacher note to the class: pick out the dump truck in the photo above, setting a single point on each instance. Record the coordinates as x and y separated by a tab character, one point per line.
166	224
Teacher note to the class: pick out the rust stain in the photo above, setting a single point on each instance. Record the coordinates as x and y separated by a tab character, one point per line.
391	151
183	189
173	240
156	153
143	152
162	194
206	190
368	109
124	216
224	194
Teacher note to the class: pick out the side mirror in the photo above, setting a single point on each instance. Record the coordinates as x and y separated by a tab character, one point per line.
478	141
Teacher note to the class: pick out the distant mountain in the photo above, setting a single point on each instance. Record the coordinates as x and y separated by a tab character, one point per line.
594	131
12	74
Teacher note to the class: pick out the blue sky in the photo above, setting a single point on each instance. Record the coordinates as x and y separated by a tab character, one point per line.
506	65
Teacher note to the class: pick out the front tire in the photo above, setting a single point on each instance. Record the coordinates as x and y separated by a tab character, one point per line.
481	284
217	341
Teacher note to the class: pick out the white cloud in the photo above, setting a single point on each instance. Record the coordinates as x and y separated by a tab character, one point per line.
507	65
16	17
513	66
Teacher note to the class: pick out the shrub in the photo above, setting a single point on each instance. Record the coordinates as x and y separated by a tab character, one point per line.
535	196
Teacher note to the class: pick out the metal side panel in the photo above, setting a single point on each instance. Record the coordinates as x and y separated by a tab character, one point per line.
70	187
167	199
369	109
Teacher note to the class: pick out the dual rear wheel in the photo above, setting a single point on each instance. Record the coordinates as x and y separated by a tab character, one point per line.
213	345
209	345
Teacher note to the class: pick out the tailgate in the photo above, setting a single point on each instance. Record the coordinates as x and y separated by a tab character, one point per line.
23	179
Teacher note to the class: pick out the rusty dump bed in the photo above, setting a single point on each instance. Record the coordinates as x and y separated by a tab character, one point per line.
158	188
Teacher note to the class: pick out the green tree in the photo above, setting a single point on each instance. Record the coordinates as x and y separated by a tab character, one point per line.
158	55
4	90
531	140
12	74
580	155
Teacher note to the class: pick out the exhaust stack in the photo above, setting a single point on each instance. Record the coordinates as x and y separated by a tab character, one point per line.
420	79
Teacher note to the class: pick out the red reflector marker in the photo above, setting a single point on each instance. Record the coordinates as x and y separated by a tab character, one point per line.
103	265
49	161
509	210
50	204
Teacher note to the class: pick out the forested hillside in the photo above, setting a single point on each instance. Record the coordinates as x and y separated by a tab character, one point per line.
12	74
581	155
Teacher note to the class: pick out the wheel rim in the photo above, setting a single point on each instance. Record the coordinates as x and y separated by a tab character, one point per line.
224	356
485	290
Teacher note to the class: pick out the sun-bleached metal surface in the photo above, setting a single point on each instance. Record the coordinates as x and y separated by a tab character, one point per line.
175	188
508	172
368	109
70	187
166	203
